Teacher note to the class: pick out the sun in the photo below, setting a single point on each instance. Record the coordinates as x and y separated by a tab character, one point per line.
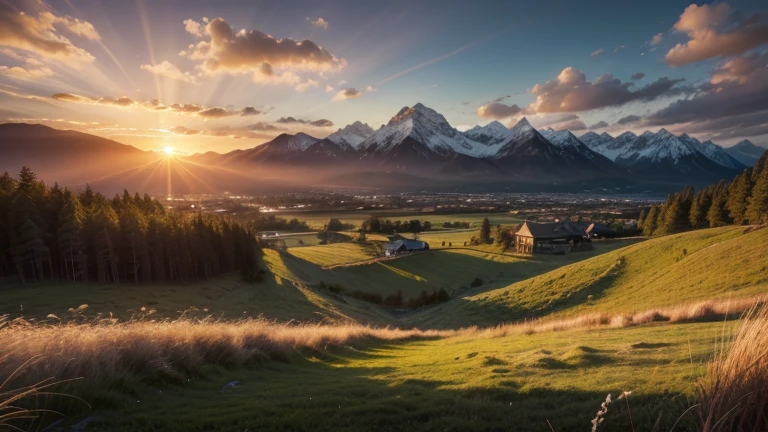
168	150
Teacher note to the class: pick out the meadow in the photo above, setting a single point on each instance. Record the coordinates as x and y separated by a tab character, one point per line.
316	220
541	341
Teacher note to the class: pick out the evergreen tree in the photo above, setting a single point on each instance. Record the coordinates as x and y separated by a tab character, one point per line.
718	213
649	225
757	211
485	231
73	260
699	208
738	194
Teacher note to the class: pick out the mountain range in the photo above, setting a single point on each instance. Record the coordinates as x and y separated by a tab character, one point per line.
416	148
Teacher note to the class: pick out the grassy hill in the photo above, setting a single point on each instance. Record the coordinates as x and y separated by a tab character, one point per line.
698	265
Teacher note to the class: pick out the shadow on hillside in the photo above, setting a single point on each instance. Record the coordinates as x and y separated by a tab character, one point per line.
336	395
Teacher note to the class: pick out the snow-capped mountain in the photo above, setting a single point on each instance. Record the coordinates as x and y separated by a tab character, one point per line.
746	152
663	155
597	142
492	134
421	131
297	149
352	134
714	152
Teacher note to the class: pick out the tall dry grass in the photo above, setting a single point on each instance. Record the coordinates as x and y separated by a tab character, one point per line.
733	396
709	310
103	352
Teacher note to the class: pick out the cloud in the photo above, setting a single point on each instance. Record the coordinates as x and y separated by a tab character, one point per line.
713	32
741	69
26	74
619	48
502	98
122	101
315	123
657	39
347	93
737	87
168	70
67	97
637	76
193	27
248	51
572	92
629	119
181	130
191	109
573	125
266	75
319	23
215	112
222	131
262	127
38	32
249	111
599	125
597	53
734	103
495	110
304	86
328	89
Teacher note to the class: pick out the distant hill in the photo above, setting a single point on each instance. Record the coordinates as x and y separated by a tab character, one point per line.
65	156
666	271
416	149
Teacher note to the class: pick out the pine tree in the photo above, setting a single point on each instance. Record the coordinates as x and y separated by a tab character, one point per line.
649	225
757	211
675	217
485	231
699	208
74	261
717	215
738	194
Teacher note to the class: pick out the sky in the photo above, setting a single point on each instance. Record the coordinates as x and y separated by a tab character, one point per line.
203	75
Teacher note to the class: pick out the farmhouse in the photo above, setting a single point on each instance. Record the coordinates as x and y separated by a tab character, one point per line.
554	238
405	245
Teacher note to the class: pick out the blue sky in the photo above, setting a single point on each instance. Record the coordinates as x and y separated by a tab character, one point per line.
454	56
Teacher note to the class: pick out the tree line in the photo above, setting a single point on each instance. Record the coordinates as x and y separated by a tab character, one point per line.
376	225
742	201
50	233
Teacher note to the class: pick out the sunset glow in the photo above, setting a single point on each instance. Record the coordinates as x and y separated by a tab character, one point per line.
234	75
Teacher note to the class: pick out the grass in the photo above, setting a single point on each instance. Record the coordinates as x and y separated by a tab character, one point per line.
734	394
334	254
699	265
636	318
316	220
466	382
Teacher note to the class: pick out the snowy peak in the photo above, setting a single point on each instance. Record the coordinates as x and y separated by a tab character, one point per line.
293	143
563	138
494	133
352	134
427	128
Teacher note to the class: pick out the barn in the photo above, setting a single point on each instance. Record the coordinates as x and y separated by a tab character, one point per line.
405	245
553	238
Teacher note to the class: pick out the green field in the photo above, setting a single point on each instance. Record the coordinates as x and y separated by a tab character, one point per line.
505	378
316	220
700	265
459	384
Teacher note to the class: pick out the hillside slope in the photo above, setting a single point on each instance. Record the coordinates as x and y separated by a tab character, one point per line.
688	267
